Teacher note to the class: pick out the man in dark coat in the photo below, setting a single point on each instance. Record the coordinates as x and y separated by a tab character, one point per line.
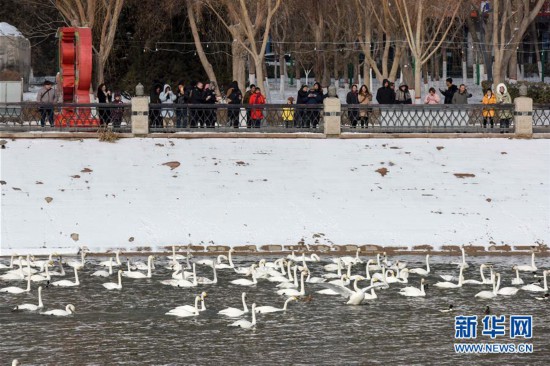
155	119
385	94
234	97
353	99
315	96
197	97
450	92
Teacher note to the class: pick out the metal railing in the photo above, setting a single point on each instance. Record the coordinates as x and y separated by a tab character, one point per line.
541	118
428	118
235	118
32	116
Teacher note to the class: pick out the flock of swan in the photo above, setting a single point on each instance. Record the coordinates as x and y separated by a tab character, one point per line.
336	276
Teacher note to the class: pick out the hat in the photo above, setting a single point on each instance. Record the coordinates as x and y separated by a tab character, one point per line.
290	99
47	82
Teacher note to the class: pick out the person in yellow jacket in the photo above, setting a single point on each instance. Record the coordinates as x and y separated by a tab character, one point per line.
288	113
488	114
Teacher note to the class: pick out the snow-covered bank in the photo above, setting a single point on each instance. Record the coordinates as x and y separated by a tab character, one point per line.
267	191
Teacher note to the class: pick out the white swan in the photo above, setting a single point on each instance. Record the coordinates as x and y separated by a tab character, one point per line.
356	297
31	307
229	259
245	323
332	267
293	284
272	309
61	272
537	288
246	282
462	263
14	274
102	273
186	283
490	294
76	264
292	291
69	309
343	281
413	291
529	268
140	275
422	271
310	279
208	281
447	284
476	282
372	295
40	277
210	262
234	312
186	311
113	285
67	283
17	290
175	257
353	260
110	263
508	291
190	308
517	280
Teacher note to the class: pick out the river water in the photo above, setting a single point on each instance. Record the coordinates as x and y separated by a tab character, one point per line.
129	326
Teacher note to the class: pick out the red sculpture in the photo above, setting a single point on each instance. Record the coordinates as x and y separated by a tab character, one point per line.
75	67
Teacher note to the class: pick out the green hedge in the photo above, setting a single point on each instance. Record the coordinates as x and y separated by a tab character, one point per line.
538	91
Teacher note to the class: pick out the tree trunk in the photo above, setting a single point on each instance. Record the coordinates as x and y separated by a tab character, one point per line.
251	71
417	81
513	67
436	67
238	63
535	41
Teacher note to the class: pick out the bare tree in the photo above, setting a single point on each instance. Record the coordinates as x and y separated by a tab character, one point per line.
426	25
99	15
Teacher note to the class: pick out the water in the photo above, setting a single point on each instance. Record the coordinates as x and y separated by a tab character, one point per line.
129	326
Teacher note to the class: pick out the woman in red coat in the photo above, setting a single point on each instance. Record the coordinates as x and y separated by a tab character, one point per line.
256	114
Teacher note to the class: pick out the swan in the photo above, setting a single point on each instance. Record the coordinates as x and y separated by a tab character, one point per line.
113	285
229	259
517	280
234	312
41	263
110	263
102	273
208	281
290	284
450	309
245	323
476	282
67	283
31	307
140	275
175	257
356	297
422	271
368	296
247	271
337	266
292	291
15	274
186	283
352	260
76	264
537	288
61	272
378	265
190	308
447	284
69	309
327	291
210	262
281	277
19	290
41	278
413	291
490	294
3	266
312	258
508	291
246	282
310	279
272	309
462	263
344	281
527	267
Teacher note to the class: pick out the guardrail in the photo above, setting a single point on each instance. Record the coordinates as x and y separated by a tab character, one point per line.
428	118
33	116
235	118
541	118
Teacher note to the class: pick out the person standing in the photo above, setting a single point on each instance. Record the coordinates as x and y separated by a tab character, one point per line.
403	95
288	113
385	94
104	96
154	111
167	97
246	100
503	97
352	100
450	92
210	97
197	97
47	96
181	99
365	97
461	96
315	97
256	113
301	99
432	97
488	114
234	98
117	113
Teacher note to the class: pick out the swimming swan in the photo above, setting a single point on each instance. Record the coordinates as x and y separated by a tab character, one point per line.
17	290
490	294
234	312
190	308
517	280
356	297
529	268
69	309
140	275
447	284
413	291
31	307
537	288
113	285
245	323
102	273
272	309
292	291
422	271
67	283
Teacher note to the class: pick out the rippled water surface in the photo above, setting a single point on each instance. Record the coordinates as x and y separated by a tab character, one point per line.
129	326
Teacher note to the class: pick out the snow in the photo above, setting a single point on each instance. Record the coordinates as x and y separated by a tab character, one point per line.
272	191
9	30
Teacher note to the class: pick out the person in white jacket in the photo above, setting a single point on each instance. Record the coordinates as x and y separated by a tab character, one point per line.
505	116
167	97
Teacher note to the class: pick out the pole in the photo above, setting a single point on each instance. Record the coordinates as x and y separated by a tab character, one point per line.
543	64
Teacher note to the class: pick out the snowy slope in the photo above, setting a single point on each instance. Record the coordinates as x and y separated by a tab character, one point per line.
266	191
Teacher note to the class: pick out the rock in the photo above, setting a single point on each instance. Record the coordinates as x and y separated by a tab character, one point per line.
86	170
172	164
382	171
464	175
48	199
75	236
